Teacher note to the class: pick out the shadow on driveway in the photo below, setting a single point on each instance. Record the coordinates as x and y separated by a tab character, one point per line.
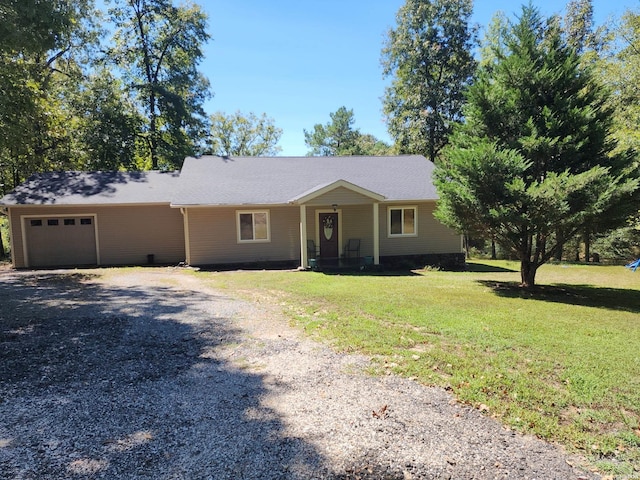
101	381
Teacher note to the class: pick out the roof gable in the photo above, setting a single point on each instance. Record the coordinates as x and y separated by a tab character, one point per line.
320	190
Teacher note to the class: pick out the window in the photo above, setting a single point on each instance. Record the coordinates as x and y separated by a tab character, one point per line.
85	221
69	221
52	222
253	226
403	221
36	223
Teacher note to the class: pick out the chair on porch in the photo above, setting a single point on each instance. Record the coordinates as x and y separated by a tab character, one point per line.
312	251
352	249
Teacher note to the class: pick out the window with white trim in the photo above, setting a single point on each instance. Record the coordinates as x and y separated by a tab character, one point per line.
403	221
253	226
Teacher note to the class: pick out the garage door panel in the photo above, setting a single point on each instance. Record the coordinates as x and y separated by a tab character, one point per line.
60	241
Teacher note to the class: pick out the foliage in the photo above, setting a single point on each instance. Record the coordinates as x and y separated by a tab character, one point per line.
243	135
107	124
338	137
580	30
158	47
531	167
4	236
36	76
622	243
622	73
429	57
560	363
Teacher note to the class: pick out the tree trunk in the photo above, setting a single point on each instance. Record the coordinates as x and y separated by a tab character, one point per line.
559	253
493	250
528	271
587	245
1	246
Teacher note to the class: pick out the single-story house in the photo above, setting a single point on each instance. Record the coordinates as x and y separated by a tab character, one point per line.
234	211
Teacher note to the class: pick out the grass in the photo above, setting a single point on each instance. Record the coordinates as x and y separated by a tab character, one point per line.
562	362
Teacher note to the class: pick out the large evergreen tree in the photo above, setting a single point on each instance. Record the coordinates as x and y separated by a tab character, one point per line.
532	164
429	57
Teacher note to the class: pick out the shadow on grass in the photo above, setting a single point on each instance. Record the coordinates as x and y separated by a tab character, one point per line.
484	268
582	295
371	273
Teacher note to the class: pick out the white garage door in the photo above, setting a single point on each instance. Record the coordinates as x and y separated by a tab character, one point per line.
60	241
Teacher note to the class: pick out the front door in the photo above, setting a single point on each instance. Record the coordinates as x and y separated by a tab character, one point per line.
329	247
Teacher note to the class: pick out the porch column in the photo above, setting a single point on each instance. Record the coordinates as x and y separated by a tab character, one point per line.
376	233
303	236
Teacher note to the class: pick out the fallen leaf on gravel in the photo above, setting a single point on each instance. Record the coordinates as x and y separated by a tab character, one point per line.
382	413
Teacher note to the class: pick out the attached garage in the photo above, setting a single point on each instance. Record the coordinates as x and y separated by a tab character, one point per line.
95	218
60	240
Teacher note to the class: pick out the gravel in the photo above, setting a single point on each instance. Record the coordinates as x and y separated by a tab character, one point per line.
152	374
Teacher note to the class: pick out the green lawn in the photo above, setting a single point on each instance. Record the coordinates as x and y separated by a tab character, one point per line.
562	363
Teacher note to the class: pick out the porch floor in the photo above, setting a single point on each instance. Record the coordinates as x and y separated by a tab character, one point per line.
342	264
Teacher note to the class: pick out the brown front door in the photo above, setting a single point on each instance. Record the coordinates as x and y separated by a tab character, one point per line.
329	248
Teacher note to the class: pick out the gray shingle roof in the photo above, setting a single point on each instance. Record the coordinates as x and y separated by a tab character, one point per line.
94	188
212	180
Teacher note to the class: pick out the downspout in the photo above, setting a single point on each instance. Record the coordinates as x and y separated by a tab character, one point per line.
303	237
376	233
187	244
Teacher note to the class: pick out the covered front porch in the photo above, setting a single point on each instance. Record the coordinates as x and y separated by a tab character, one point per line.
339	226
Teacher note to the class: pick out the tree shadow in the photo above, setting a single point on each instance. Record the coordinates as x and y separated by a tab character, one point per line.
123	382
484	268
49	188
627	300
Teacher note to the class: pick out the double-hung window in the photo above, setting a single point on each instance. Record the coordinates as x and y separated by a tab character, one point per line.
253	226
403	221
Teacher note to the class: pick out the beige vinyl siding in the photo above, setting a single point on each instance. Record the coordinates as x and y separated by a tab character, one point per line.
340	196
129	233
126	234
433	236
213	237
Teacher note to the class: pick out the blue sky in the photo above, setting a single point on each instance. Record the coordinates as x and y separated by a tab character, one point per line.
298	60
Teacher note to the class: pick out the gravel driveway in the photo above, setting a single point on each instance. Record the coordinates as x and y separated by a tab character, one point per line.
151	374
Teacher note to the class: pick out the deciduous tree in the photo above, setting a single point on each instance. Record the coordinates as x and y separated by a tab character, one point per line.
429	58
243	135
40	63
158	47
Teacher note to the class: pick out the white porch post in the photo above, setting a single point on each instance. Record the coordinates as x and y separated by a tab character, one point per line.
376	233
303	236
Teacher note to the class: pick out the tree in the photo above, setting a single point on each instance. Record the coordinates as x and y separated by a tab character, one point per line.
243	135
40	66
106	123
338	137
158	46
621	71
581	31
532	164
429	55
